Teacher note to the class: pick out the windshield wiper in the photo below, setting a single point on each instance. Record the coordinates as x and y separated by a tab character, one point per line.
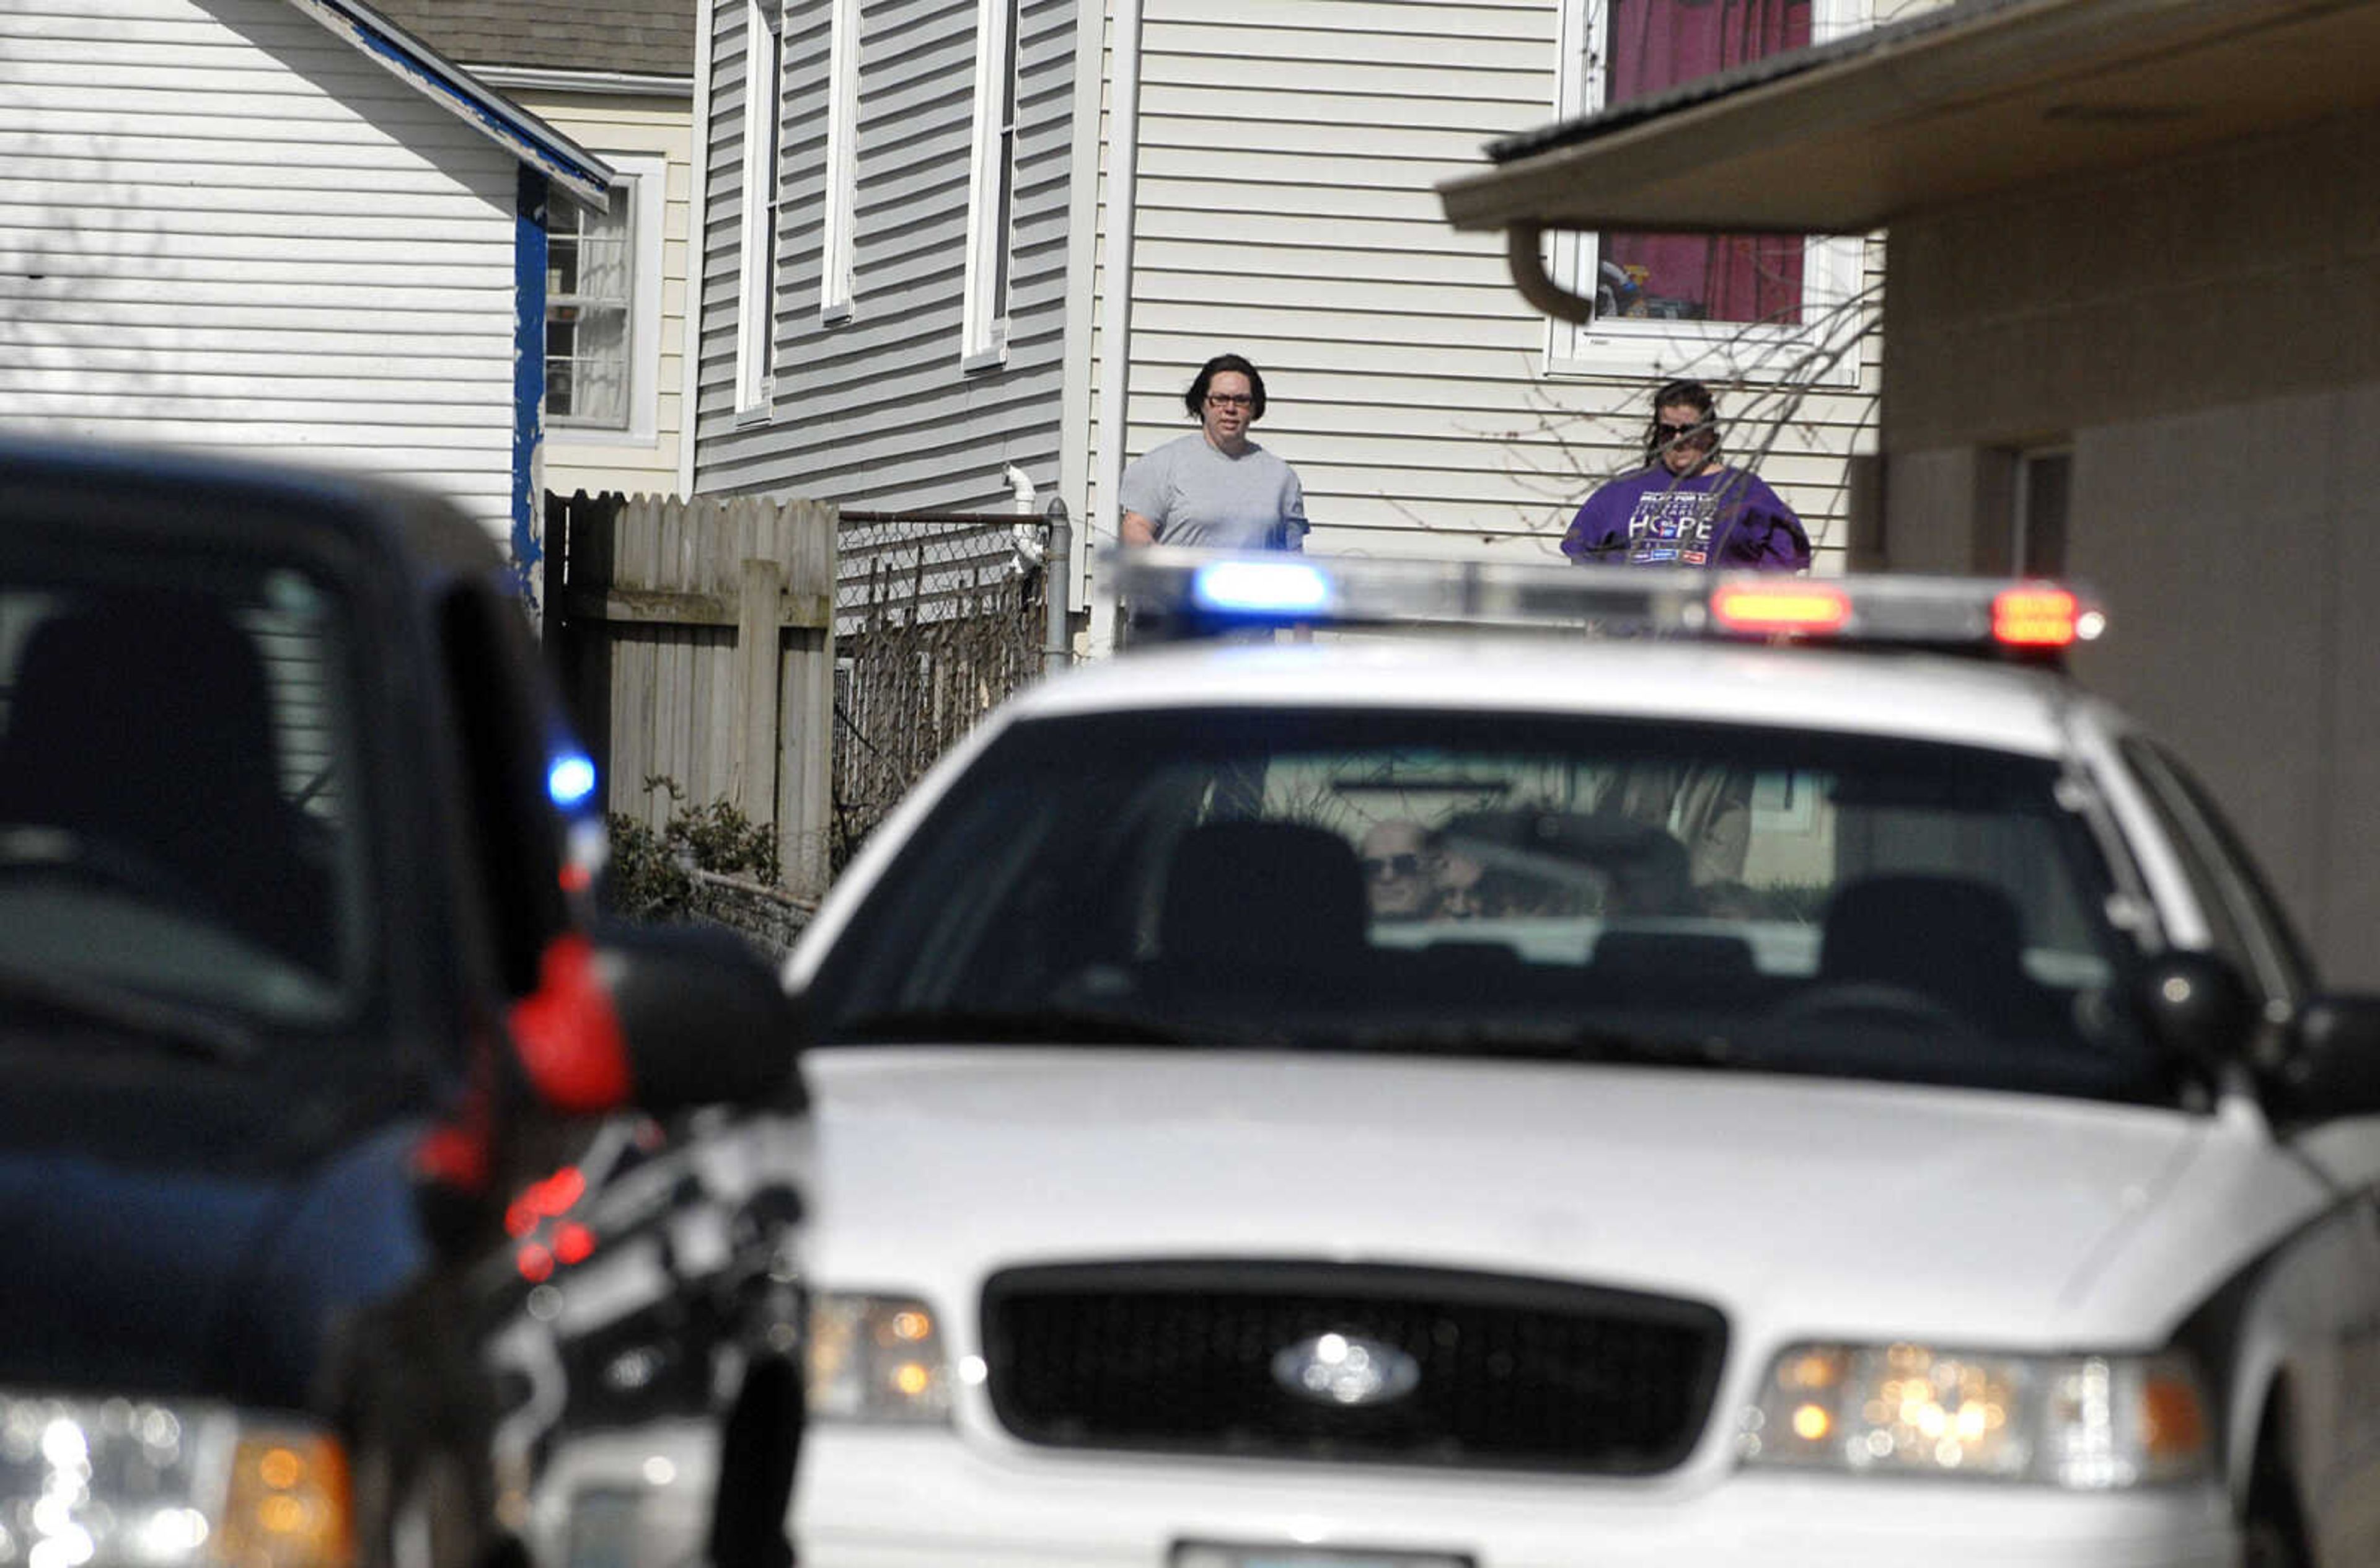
1541	1042
184	1031
1037	1026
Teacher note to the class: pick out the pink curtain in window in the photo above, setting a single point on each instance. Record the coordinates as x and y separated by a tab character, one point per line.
1656	44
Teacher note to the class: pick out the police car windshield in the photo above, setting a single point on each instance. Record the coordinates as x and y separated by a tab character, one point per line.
178	858
1454	884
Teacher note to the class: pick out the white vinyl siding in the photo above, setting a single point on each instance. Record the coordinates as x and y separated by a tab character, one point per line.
1289	151
222	226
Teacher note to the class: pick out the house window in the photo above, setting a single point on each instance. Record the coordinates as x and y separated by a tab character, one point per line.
1715	304
837	217
604	309
991	187
755	339
589	312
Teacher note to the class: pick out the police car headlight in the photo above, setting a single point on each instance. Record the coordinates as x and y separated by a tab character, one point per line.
2087	1422
876	1359
167	1483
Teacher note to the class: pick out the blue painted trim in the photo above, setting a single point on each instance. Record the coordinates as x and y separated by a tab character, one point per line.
528	139
528	382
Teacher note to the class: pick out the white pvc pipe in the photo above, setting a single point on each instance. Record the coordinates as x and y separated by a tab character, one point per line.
1020	490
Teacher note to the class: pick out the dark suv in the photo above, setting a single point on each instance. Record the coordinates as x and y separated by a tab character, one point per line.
296	990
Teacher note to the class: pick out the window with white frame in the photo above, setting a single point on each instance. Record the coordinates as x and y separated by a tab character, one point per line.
756	316
589	279
991	187
602	307
1749	307
838	210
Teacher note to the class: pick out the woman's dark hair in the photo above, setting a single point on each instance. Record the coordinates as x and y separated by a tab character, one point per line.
1693	395
1195	398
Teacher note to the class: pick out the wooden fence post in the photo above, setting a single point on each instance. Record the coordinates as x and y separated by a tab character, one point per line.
760	614
656	590
806	739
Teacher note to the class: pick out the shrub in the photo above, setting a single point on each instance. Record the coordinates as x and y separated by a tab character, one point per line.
651	874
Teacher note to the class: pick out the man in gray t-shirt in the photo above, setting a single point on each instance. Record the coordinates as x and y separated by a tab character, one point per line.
1216	489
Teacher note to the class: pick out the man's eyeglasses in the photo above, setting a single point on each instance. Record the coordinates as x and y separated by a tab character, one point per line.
1230	400
1377	867
1700	430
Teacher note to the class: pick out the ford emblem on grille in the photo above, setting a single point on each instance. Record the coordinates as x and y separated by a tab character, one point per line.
1342	1369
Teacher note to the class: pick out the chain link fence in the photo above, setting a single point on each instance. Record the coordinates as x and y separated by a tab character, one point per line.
938	617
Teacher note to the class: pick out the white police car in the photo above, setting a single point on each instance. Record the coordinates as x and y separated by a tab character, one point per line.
1526	1099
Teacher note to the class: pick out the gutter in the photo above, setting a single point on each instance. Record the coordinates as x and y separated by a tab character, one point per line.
616	84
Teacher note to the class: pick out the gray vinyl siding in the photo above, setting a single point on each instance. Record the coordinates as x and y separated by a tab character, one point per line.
874	411
222	226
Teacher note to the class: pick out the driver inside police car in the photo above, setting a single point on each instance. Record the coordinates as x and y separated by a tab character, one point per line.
1400	869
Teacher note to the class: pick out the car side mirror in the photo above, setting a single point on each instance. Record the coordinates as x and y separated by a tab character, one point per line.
706	1020
2198	1006
2332	1065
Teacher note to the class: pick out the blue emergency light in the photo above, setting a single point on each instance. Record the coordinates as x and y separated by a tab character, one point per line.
1263	588
570	779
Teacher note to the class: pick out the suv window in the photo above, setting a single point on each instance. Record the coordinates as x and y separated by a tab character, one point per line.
176	814
1350	880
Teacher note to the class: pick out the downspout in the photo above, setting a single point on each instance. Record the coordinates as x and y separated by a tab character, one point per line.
698	252
1115	326
1524	254
528	386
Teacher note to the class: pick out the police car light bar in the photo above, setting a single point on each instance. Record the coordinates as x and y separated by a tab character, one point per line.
1174	594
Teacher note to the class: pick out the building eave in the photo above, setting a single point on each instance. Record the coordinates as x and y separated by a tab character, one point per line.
528	138
1977	99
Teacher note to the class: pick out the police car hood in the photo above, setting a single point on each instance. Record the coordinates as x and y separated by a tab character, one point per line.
1857	1209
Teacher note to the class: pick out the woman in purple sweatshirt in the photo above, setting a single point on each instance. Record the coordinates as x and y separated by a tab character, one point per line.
1684	507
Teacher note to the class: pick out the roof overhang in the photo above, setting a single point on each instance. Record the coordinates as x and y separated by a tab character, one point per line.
525	136
608	84
1953	105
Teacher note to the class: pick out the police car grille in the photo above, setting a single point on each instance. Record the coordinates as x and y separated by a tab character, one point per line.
1202	1358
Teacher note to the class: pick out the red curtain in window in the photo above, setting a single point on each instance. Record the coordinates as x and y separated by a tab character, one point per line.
1655	44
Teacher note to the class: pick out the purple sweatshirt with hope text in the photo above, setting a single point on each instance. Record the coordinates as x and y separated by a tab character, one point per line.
1719	518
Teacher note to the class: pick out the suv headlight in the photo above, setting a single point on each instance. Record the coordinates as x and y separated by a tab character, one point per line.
876	1359
167	1483
2089	1422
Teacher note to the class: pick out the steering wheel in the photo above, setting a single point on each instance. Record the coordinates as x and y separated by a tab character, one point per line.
1875	1002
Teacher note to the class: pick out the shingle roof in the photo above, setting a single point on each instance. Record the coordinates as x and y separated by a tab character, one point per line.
635	37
